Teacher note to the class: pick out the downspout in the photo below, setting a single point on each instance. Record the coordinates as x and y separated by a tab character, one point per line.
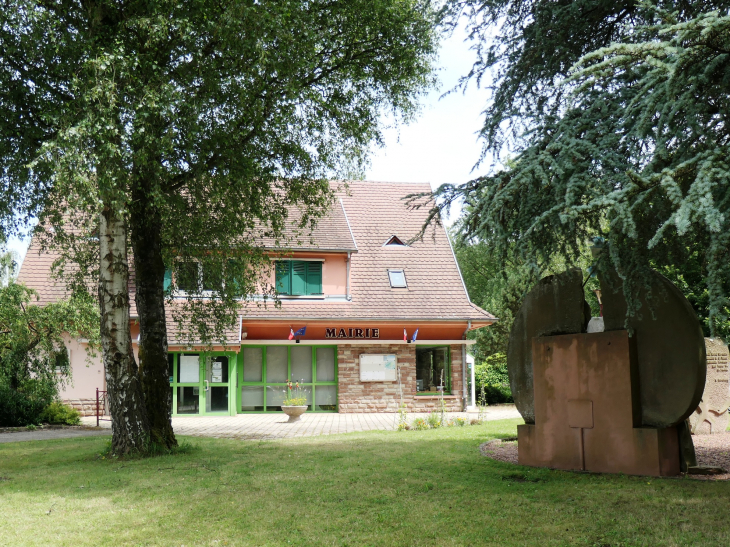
463	367
347	281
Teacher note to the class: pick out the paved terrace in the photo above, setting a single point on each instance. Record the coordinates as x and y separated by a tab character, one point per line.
275	426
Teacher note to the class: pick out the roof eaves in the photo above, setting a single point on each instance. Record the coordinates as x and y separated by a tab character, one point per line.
487	319
319	249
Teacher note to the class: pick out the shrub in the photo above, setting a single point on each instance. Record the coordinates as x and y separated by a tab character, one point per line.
20	408
419	424
434	420
491	375
59	413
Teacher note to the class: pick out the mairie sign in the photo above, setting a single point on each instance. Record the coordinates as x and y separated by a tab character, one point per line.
334	332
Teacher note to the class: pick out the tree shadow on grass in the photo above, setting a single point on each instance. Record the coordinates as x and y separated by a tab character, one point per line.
375	488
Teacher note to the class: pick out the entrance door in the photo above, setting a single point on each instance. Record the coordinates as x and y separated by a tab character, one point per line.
202	383
217	369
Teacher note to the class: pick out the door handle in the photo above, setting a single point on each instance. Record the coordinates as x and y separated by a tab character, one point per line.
206	385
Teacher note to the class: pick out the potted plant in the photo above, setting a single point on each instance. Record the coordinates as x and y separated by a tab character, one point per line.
295	403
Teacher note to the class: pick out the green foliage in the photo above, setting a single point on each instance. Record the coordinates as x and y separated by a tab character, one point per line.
617	117
33	353
434	420
205	120
24	406
420	424
499	284
59	413
294	395
491	379
8	263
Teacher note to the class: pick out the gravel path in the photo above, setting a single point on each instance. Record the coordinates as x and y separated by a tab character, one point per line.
49	434
711	450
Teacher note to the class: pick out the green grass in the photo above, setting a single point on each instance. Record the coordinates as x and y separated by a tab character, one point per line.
375	488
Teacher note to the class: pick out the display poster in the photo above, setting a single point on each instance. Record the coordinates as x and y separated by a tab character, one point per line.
377	367
189	369
217	376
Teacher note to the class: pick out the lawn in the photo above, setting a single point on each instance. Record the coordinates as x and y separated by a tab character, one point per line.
374	488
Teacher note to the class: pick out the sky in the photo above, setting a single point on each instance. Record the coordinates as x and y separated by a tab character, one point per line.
439	146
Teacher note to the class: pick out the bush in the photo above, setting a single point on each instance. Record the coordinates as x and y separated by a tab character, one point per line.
419	424
21	407
491	377
59	413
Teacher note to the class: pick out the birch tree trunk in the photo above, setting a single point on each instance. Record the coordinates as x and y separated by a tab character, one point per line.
130	428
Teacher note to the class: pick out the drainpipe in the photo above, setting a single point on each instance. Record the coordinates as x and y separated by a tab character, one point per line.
463	367
347	281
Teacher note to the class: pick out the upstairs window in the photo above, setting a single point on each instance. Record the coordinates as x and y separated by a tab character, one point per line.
299	278
397	279
193	277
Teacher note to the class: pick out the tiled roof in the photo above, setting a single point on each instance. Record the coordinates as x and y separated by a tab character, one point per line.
35	272
376	211
331	232
363	218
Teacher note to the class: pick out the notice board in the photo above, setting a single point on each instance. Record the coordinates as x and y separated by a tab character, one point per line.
377	367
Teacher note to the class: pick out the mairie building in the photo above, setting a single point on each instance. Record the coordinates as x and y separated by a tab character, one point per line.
379	321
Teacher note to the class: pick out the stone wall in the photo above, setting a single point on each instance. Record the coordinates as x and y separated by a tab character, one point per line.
86	407
711	416
357	396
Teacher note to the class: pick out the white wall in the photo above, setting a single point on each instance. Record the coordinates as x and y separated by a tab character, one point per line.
86	376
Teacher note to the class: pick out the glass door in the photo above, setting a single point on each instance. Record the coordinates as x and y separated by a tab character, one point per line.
216	383
202	383
186	395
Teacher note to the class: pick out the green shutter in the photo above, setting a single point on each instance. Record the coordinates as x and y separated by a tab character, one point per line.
283	277
314	278
168	280
298	277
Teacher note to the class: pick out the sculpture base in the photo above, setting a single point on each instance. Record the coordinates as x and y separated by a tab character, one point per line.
587	410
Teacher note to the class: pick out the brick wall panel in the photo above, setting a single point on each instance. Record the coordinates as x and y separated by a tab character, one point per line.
356	396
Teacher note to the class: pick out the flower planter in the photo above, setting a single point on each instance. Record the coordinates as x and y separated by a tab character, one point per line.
294	412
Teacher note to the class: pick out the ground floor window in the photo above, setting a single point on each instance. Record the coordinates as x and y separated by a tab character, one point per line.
433	371
265	370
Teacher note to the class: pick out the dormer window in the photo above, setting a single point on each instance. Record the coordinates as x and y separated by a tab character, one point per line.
394	241
397	279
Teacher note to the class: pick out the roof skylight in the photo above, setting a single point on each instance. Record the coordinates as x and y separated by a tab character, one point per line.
397	279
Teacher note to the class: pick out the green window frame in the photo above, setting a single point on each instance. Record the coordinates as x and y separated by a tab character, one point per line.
269	393
299	277
430	361
198	389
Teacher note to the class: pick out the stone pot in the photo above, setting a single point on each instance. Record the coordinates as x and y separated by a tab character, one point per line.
294	412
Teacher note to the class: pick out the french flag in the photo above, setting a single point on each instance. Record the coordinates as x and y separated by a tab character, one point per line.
405	336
